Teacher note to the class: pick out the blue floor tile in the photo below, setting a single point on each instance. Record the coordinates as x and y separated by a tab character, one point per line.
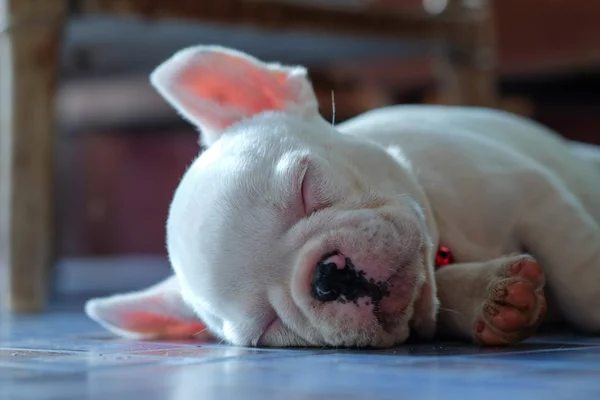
64	356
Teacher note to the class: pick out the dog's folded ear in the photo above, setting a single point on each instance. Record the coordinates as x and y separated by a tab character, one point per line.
158	312
214	87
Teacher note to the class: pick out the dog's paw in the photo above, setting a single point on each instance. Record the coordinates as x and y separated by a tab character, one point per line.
515	303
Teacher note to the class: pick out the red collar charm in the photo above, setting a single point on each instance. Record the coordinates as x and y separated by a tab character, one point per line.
444	257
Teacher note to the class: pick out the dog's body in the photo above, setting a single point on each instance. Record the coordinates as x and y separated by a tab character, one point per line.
486	173
288	231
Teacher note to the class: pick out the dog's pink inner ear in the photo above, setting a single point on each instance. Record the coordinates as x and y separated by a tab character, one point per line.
237	84
155	313
160	326
215	88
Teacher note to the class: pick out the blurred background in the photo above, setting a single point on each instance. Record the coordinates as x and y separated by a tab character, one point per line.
121	150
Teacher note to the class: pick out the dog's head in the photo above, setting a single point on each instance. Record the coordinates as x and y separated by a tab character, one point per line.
284	232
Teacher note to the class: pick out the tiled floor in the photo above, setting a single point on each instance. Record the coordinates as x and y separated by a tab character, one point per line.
64	356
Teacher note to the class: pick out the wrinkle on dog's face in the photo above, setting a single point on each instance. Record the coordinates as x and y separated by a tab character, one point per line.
255	214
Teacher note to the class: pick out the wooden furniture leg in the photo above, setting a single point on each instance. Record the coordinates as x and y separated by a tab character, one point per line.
29	45
466	57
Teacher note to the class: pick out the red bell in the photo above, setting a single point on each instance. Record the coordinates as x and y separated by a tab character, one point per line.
443	257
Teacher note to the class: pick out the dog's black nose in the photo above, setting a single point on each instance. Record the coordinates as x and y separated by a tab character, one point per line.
335	276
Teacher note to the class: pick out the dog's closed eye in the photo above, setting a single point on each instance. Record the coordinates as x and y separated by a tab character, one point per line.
313	188
307	191
303	175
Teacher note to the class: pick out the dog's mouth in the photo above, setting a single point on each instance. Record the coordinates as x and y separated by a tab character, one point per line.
274	324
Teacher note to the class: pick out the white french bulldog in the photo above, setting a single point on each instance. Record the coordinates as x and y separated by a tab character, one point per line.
288	231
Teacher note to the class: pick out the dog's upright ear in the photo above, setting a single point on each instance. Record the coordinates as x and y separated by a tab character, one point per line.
214	87
158	312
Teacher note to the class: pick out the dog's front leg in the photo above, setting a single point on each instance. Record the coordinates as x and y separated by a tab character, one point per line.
495	302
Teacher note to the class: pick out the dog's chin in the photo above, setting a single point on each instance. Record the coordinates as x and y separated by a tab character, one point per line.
393	330
370	337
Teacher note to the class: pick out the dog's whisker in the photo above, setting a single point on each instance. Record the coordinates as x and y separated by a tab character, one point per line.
200	332
332	108
452	311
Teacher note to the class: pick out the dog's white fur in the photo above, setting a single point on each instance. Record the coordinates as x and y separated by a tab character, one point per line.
278	187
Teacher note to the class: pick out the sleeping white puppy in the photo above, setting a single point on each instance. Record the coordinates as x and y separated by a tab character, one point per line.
288	231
